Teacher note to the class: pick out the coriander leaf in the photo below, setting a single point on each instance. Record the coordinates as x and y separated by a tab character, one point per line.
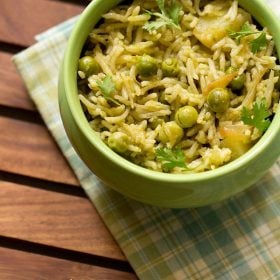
107	87
259	43
256	117
174	12
244	31
153	25
161	4
171	158
168	16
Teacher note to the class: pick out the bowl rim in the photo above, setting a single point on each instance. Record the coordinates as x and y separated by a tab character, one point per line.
69	81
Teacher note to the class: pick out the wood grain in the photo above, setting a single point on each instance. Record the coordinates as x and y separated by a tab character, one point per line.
21	20
12	89
54	219
28	149
20	265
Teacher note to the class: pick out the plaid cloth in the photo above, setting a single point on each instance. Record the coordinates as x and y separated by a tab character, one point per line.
235	239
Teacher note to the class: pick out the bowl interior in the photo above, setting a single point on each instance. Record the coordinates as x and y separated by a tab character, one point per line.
257	8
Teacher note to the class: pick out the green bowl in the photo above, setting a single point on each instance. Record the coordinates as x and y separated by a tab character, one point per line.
161	189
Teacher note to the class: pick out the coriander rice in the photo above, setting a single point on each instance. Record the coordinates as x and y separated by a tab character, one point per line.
156	70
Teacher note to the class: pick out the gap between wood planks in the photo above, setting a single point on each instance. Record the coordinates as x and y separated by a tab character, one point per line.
21	114
22	265
74	2
66	254
11	48
42	184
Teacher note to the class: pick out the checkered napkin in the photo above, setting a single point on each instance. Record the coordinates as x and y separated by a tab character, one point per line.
236	239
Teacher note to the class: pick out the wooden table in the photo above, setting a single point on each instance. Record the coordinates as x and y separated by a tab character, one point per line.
48	227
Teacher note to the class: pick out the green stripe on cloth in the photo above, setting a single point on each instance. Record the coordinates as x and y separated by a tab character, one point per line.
235	239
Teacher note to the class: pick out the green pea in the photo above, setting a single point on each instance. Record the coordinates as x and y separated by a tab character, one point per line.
186	116
218	99
118	141
146	66
170	132
170	67
238	82
88	65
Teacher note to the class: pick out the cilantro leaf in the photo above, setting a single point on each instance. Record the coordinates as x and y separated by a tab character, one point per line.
161	4
168	16
153	25
244	31
107	87
256	117
259	43
174	12
171	158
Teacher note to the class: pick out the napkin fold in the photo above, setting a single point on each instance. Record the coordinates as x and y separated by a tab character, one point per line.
236	239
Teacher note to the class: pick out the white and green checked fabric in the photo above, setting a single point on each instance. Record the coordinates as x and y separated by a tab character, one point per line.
236	239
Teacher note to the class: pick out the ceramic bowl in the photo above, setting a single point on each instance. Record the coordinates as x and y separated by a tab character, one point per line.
161	189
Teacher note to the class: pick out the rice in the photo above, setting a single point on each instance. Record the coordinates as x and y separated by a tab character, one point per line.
143	108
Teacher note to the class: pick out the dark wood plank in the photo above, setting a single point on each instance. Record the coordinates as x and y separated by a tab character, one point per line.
28	149
12	89
21	20
54	219
20	265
